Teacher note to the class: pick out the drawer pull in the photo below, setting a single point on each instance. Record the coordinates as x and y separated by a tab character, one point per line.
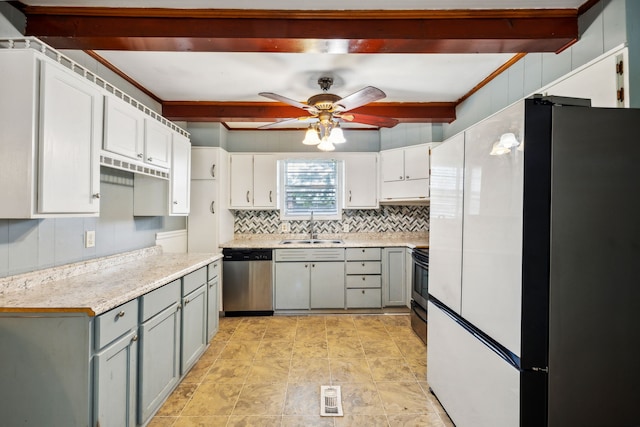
363	264
247	196
363	279
363	251
363	291
135	338
121	314
186	301
212	208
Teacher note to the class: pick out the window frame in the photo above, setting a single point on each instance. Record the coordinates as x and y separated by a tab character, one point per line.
284	216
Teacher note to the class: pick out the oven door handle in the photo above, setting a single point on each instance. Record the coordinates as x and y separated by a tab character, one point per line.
418	312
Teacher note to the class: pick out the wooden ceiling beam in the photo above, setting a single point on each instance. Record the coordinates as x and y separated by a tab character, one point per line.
202	111
420	31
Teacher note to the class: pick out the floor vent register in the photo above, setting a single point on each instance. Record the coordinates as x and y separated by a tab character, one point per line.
330	401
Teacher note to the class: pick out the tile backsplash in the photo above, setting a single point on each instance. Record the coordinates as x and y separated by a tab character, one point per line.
383	220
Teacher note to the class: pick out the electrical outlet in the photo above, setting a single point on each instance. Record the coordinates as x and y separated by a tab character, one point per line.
89	239
345	228
284	227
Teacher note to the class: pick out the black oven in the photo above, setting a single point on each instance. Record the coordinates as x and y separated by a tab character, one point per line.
420	292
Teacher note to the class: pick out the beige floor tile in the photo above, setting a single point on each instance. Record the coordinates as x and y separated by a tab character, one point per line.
214	350
401	320
310	349
390	369
350	371
415	420
401	333
362	421
213	421
361	399
310	320
311	333
341	348
240	349
161	421
178	399
226	371
307	421
213	399
254	421
275	349
414	349
342	333
248	333
199	370
302	399
305	370
269	371
261	399
373	334
381	348
223	335
418	367
403	398
280	333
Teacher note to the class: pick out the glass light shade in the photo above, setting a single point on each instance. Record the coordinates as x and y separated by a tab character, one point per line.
508	140
311	137
336	136
326	145
497	150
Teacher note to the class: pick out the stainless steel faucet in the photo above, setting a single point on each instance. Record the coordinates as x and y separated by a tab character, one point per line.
311	234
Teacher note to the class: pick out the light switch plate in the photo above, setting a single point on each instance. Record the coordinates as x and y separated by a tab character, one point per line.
345	228
284	227
89	239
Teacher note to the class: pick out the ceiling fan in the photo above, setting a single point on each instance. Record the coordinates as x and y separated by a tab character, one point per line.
326	110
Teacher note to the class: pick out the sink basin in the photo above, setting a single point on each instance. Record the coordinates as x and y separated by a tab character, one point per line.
311	241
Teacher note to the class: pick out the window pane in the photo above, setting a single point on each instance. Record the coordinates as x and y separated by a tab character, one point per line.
310	185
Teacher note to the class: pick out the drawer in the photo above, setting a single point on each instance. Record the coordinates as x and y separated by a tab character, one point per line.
364	298
115	323
364	267
213	270
311	254
364	281
364	254
156	301
194	280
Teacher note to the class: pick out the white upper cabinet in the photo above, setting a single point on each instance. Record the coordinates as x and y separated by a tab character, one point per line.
157	143
123	128
361	181
405	174
180	174
50	134
253	179
205	163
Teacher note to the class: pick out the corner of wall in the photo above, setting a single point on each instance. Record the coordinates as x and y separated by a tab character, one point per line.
12	22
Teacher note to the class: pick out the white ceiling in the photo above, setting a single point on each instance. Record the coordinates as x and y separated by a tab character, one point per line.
211	76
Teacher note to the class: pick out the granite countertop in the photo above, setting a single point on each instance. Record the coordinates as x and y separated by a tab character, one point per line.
96	286
353	240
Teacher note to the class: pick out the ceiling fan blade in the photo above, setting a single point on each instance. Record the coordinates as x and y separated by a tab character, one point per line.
284	99
286	121
361	97
383	122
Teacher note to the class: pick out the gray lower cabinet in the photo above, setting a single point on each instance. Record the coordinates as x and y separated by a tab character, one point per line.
213	312
394	280
363	275
194	326
159	352
327	285
292	286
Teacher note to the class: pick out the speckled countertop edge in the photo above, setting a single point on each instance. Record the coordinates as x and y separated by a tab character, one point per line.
352	240
96	286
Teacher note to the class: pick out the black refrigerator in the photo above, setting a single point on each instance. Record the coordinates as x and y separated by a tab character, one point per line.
534	287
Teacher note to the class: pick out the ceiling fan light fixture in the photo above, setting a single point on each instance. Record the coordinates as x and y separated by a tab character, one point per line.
326	145
337	136
311	137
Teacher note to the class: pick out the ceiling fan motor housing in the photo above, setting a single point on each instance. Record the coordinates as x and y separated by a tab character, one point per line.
323	101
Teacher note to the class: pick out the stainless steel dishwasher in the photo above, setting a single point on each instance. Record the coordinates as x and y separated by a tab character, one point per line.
247	288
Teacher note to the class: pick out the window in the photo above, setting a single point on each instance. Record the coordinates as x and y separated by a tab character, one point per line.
310	185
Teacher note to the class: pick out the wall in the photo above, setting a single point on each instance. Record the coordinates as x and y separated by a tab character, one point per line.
387	219
27	245
291	141
602	28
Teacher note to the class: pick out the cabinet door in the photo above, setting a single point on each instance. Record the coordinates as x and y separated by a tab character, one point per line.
157	143
392	167
241	181
327	285
194	327
361	182
292	285
212	308
204	162
416	162
202	229
115	383
159	360
123	128
394	289
264	181
180	174
70	134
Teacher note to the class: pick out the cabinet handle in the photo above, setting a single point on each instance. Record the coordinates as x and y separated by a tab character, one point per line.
363	278
401	177
213	170
121	314
96	196
212	207
306	265
407	176
349	195
363	291
363	264
179	307
150	159
247	196
140	155
135	338
363	251
175	202
186	301
270	193
313	265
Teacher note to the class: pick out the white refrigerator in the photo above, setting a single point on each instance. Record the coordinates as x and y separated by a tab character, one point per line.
533	283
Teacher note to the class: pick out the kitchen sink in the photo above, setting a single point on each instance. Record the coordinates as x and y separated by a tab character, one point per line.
311	241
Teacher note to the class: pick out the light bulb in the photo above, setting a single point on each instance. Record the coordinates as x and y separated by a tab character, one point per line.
311	137
336	136
508	140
